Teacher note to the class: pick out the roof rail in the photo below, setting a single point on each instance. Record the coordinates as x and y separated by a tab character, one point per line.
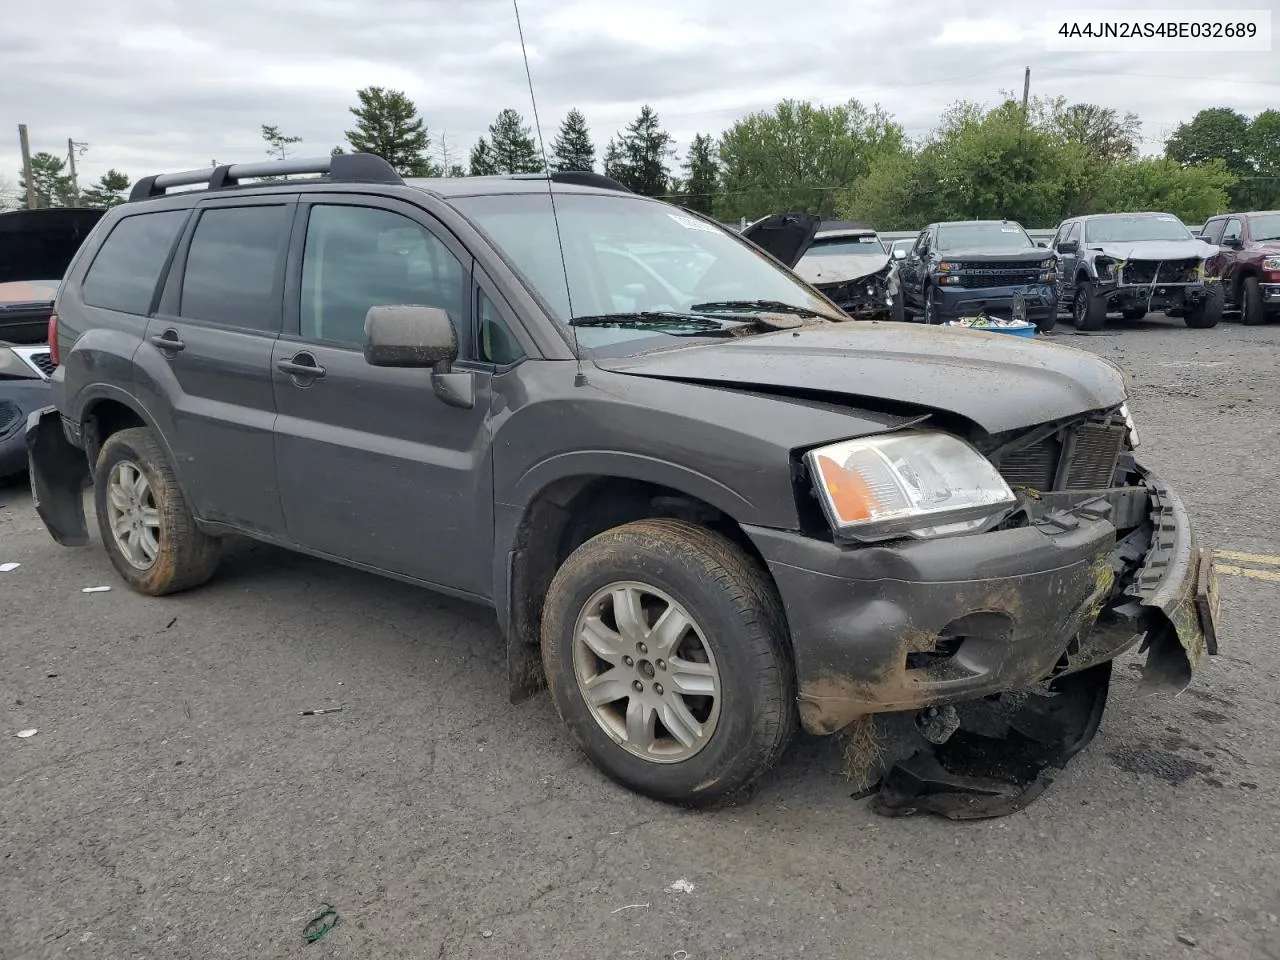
580	178
344	167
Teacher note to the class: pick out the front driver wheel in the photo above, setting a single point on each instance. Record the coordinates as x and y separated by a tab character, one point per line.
1088	311
148	530
666	655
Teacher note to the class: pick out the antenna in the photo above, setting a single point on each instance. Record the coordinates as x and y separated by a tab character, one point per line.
580	379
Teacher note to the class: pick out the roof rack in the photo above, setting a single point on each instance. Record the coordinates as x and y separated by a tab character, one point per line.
344	167
579	178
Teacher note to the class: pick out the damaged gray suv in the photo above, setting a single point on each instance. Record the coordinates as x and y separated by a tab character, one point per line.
707	505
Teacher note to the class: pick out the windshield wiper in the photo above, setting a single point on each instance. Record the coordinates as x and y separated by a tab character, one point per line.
762	306
685	325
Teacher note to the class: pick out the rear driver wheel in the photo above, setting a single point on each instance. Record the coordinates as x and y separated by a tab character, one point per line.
666	655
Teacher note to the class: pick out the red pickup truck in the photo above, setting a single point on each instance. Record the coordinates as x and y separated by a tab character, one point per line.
1248	261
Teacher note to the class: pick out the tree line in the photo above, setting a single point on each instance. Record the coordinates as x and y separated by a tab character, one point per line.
1037	165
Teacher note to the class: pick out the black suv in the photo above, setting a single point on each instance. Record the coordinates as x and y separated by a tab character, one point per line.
966	268
705	503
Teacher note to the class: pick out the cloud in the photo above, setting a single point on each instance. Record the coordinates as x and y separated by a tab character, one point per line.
155	85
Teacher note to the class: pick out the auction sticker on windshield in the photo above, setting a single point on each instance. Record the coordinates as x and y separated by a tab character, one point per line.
689	223
1150	31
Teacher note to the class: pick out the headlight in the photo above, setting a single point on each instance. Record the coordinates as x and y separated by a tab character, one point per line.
1128	422
1105	267
1050	264
945	266
1271	263
922	484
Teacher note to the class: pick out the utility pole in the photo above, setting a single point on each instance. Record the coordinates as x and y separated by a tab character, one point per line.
71	162
26	166
1026	91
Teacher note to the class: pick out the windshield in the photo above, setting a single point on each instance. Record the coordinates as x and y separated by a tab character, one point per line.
1266	227
626	255
846	246
982	236
1121	229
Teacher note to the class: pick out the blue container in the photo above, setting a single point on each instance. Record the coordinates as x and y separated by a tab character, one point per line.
1028	331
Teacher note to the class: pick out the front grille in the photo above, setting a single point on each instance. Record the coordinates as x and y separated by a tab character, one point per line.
1091	450
10	414
1169	271
45	362
998	278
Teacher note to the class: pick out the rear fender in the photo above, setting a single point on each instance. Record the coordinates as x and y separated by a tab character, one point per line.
59	473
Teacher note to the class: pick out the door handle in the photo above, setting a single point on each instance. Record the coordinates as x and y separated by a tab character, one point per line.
168	342
309	371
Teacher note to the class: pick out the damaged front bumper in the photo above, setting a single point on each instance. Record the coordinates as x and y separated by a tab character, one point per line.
955	302
938	622
865	298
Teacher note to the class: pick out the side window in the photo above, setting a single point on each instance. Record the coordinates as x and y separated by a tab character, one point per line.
233	267
1213	231
1074	232
497	343
1063	230
1233	232
922	243
361	257
125	272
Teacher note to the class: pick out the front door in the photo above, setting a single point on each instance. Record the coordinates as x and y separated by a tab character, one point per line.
374	467
204	367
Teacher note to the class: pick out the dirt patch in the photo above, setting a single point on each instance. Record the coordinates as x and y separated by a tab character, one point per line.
1210	716
1148	761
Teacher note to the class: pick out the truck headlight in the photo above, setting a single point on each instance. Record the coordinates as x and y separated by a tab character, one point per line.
1271	263
921	484
1132	427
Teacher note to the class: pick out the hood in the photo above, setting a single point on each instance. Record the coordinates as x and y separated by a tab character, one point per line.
784	236
991	379
39	244
839	268
1156	249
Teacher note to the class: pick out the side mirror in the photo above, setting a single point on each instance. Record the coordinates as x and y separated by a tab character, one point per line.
1041	243
422	337
410	336
1068	246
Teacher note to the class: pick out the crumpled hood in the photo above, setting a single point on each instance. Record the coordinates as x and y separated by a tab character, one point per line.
994	380
839	268
1156	249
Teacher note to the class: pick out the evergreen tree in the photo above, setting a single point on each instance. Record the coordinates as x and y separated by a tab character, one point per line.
278	144
701	174
108	191
512	145
573	149
613	160
645	150
482	162
388	125
52	185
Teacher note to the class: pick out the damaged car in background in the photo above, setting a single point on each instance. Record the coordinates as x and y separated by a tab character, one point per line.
843	258
1133	263
35	248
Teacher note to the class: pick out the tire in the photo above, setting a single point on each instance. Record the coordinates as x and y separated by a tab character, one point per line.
899	309
176	555
1207	312
1047	323
737	617
1135	313
1088	312
930	307
1252	311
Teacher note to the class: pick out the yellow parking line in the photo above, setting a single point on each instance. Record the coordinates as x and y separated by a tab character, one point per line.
1271	576
1261	558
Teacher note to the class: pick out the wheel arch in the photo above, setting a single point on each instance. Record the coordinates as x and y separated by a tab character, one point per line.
106	409
536	536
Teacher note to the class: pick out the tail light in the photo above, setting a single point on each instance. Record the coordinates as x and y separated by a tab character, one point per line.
53	339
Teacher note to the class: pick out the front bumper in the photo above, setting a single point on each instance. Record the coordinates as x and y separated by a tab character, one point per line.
929	623
955	302
1270	293
18	400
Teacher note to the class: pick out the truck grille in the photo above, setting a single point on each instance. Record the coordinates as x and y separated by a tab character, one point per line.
10	414
1170	271
1092	451
986	277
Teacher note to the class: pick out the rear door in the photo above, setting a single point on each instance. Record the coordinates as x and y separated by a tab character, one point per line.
374	468
207	356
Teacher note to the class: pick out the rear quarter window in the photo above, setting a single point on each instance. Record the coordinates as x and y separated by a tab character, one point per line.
128	265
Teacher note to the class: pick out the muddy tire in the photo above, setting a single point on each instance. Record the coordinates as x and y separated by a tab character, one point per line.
1088	312
1207	312
1135	313
1046	323
1252	312
689	634
145	523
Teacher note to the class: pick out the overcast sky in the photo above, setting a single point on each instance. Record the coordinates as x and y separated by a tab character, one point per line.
156	85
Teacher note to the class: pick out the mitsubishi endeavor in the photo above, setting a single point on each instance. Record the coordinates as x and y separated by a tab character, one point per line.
707	505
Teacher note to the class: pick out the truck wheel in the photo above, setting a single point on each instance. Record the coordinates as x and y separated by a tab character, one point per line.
146	525
1251	309
1135	313
899	309
930	306
1046	323
1208	311
1088	312
666	654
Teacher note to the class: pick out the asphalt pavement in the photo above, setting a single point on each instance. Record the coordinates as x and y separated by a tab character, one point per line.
174	802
